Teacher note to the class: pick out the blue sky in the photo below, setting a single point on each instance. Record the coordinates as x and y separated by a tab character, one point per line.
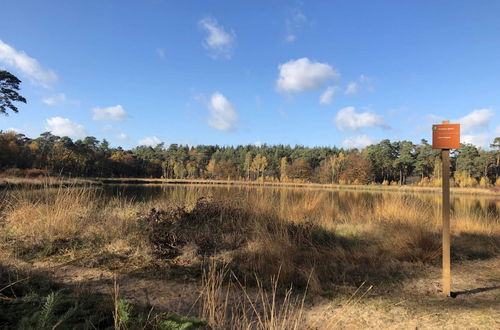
344	73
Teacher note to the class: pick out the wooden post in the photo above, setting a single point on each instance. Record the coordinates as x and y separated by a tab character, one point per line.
445	158
445	137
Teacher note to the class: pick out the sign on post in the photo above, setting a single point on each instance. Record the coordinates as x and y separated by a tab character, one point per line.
446	136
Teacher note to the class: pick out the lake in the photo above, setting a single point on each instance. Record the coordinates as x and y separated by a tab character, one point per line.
287	199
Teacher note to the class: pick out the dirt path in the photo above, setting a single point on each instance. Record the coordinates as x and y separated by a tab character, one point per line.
417	303
164	295
414	304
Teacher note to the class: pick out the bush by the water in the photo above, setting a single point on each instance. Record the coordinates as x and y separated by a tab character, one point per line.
211	225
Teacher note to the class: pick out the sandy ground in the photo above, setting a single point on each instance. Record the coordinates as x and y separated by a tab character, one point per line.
418	304
413	304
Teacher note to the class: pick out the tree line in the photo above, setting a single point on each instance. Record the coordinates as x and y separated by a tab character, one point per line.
386	162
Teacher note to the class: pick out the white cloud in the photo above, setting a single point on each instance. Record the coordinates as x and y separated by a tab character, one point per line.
348	119
478	118
64	127
293	25
122	136
303	74
223	115
109	113
364	83
352	88
359	141
150	141
59	99
327	96
257	143
161	53
27	65
218	42
480	140
13	130
497	130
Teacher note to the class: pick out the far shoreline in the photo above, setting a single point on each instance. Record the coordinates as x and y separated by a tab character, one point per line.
14	182
491	191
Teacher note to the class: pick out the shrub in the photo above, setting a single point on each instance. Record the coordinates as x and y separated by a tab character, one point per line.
211	226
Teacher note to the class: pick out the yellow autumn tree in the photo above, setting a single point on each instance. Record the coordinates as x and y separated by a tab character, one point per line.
212	167
283	167
259	165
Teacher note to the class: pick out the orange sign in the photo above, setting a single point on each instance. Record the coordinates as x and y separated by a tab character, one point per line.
446	136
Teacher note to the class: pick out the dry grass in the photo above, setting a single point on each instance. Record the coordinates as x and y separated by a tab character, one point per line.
227	303
43	181
54	214
346	240
311	239
66	220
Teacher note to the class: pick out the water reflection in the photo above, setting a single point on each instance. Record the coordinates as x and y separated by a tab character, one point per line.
307	200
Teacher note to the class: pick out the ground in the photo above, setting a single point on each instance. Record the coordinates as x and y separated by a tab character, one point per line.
415	303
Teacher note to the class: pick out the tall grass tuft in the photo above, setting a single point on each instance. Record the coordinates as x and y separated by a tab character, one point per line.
50	213
65	220
227	303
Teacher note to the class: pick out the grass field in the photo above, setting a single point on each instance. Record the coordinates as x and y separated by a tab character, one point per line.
266	261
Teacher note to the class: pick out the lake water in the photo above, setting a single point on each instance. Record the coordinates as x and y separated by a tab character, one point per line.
285	198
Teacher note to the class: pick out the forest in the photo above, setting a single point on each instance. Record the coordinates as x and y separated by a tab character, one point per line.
399	162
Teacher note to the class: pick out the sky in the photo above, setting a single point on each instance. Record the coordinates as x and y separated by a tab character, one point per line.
317	73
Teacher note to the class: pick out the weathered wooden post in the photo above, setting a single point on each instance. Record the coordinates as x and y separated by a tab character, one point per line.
445	137
445	159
